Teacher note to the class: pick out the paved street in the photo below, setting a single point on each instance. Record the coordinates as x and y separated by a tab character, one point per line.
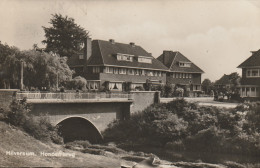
205	101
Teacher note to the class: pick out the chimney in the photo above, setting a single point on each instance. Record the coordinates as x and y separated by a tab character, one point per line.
166	57
132	44
112	41
253	52
87	49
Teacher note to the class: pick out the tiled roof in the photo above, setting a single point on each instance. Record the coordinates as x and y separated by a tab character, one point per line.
254	60
104	53
224	80
172	62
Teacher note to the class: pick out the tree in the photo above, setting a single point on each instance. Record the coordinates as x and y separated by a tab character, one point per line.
206	85
235	80
64	37
42	69
9	67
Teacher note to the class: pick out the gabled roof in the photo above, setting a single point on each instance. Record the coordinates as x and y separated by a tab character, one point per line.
252	61
224	80
171	60
104	53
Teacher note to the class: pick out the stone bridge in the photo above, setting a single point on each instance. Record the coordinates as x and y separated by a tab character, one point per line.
85	115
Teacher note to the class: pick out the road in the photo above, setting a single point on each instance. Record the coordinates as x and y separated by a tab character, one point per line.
204	101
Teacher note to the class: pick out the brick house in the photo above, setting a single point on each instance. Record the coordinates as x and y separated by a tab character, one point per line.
250	82
117	66
182	72
223	82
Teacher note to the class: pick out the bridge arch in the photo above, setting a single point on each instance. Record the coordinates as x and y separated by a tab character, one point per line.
78	128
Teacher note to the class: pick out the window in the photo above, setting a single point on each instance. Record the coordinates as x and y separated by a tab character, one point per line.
81	56
122	71
115	71
159	73
125	57
93	85
177	75
115	86
145	60
184	64
190	76
130	72
253	73
96	69
180	75
109	69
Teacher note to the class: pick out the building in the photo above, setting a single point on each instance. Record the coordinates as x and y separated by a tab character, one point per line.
182	72
250	82
223	82
117	66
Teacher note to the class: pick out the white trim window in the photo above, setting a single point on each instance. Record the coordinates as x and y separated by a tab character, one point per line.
253	73
122	71
96	69
142	72
130	72
93	85
124	57
144	59
184	64
115	86
109	70
115	71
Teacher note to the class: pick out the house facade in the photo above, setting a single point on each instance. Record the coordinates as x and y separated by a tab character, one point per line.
117	66
250	82
224	82
182	72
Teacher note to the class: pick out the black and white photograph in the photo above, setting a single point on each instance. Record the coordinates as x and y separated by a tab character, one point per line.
130	83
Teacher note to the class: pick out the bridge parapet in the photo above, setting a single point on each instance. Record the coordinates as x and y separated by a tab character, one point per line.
71	96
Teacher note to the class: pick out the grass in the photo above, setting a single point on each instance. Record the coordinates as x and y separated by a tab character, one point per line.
13	139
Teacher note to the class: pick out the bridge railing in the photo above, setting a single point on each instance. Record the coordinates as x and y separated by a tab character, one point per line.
71	96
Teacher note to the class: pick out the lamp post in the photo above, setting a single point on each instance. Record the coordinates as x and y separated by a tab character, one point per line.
21	80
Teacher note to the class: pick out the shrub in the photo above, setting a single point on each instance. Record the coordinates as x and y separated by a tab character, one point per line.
37	126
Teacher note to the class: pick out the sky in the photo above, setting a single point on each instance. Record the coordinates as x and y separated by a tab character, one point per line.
217	35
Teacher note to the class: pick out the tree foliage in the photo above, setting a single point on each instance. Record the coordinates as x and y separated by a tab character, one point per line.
41	69
207	85
64	36
187	126
9	66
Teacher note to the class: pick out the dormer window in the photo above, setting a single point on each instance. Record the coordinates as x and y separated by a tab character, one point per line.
124	57
184	64
143	59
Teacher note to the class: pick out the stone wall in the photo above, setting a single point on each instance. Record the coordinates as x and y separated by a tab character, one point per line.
99	114
143	99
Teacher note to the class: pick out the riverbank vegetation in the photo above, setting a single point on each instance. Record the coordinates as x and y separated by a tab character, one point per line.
183	126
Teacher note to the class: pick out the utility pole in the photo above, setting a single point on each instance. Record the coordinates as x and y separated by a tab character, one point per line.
21	84
57	81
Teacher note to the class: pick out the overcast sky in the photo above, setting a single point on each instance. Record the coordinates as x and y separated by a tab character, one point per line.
217	35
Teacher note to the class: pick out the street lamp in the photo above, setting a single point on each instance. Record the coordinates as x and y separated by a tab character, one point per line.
21	80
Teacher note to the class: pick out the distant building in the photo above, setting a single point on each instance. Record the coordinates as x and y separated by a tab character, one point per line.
250	82
182	72
117	66
224	82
